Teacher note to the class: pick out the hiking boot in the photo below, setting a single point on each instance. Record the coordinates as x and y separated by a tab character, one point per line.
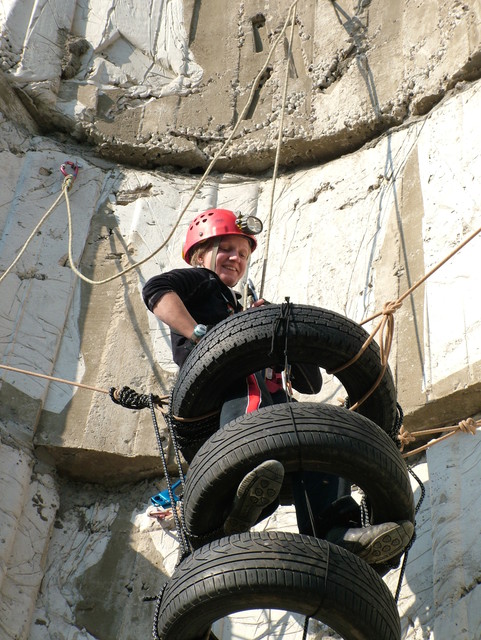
375	544
258	489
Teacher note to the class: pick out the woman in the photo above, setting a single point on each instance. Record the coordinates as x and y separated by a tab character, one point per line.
189	301
218	244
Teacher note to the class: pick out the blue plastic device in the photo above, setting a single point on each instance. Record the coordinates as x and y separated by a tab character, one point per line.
162	499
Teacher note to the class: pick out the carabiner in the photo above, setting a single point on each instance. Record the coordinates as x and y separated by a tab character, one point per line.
74	166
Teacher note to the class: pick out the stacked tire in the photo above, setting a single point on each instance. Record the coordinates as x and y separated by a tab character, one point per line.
276	570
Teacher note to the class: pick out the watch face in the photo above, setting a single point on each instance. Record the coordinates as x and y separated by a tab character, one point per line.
200	330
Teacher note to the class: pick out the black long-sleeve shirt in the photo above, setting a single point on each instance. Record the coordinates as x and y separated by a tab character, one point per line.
205	296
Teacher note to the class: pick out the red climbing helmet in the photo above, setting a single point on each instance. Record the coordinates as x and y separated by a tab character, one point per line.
219	222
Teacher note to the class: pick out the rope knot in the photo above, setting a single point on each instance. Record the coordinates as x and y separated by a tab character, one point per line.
282	319
130	399
405	437
468	426
391	307
68	182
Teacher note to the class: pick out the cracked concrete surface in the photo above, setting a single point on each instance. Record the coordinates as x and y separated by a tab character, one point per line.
379	171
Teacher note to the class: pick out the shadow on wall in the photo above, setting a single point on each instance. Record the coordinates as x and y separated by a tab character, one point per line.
102	571
112	325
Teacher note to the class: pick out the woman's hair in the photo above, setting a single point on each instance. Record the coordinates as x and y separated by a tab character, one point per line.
198	252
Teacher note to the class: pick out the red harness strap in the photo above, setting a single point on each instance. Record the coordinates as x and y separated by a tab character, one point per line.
254	395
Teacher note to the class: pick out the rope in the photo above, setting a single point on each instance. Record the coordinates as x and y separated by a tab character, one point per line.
70	178
126	397
158	604
306	625
255	84
197	418
183	542
34	232
283	320
292	17
465	426
428	274
385	327
130	399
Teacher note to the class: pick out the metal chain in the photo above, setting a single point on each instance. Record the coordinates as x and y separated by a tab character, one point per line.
179	521
413	539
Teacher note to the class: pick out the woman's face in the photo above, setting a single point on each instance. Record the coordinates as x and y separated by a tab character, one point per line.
231	260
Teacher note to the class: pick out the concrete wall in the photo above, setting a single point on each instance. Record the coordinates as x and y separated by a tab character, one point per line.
379	167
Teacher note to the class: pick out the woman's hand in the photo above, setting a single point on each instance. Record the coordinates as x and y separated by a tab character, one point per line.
258	303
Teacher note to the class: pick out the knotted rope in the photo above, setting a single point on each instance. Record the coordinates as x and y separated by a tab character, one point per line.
130	399
386	330
385	327
465	426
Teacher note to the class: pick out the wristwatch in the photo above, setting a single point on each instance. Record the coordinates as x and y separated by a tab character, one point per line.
199	332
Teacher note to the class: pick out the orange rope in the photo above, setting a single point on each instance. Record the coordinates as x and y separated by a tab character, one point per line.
466	426
62	380
428	274
53	379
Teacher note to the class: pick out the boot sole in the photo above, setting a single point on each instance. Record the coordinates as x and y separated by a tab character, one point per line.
386	545
257	490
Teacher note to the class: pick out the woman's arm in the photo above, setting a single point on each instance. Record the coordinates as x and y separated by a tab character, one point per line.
171	310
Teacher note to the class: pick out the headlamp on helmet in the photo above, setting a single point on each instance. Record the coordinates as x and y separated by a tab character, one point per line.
249	224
